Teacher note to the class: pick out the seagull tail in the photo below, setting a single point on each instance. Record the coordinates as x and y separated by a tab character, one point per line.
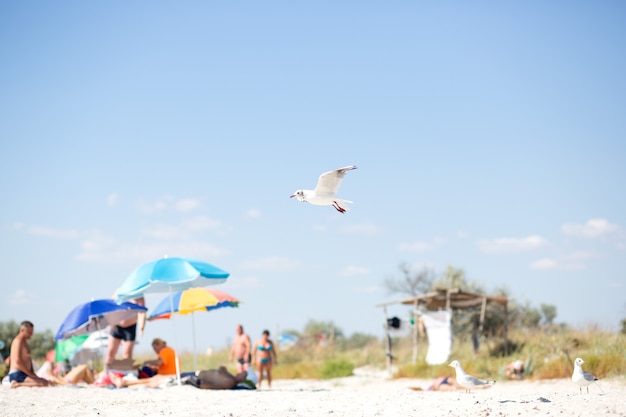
490	382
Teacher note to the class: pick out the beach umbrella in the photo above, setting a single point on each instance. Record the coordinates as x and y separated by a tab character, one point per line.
189	302
96	315
65	349
170	275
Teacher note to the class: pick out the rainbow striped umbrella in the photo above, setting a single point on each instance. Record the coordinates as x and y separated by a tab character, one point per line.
191	301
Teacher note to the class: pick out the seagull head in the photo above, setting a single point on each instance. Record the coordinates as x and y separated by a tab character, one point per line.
299	194
579	362
455	364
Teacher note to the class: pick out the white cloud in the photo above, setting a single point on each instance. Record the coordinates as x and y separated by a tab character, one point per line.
416	247
199	223
593	228
99	248
112	199
581	256
362	229
21	297
511	245
544	264
53	233
462	234
272	263
253	213
419	247
353	271
153	207
186	205
164	231
564	263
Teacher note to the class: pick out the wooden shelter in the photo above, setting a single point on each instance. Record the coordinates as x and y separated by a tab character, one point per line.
449	299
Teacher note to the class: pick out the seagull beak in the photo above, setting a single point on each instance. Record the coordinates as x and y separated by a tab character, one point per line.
292	196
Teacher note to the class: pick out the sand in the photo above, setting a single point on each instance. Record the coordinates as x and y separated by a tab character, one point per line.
360	395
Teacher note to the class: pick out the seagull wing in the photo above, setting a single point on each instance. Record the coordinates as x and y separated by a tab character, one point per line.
329	182
470	380
589	377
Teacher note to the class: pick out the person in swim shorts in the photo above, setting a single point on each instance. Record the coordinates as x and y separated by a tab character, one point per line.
241	349
264	353
125	333
21	372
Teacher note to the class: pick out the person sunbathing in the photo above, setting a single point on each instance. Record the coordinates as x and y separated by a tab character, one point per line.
444	383
78	374
216	379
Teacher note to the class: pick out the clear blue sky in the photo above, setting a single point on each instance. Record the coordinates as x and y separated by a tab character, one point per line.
490	136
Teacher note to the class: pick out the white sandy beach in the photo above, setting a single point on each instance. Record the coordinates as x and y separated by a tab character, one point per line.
362	395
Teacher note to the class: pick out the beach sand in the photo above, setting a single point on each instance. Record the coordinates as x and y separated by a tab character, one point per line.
359	395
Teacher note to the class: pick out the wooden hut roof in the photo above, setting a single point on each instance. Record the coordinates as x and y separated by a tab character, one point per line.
454	298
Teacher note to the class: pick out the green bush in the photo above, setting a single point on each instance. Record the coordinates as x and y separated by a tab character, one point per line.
336	368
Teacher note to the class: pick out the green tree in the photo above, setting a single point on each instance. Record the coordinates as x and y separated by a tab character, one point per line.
548	312
313	330
530	317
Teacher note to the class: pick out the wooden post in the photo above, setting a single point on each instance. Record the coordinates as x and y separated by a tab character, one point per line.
504	330
415	330
387	341
482	315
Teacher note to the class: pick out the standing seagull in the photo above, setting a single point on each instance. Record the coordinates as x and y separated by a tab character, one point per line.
467	381
580	377
324	193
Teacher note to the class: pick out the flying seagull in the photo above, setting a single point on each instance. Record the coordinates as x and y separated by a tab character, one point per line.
580	377
467	381
324	193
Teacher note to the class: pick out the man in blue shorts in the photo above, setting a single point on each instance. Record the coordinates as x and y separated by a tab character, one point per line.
21	372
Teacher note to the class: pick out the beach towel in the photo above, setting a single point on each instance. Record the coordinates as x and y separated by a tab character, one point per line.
439	330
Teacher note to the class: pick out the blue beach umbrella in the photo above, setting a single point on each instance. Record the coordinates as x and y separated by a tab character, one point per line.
96	315
168	275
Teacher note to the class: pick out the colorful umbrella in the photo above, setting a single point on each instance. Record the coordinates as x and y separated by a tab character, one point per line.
169	275
65	349
191	301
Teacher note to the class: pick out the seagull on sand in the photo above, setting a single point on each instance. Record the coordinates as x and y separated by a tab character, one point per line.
467	381
580	377
324	193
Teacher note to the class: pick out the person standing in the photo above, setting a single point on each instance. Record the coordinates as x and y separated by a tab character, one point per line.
21	372
125	333
241	350
264	352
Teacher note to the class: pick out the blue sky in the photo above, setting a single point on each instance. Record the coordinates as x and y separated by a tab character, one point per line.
488	136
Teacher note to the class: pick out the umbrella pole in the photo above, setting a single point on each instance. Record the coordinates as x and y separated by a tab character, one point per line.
193	333
175	338
98	352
